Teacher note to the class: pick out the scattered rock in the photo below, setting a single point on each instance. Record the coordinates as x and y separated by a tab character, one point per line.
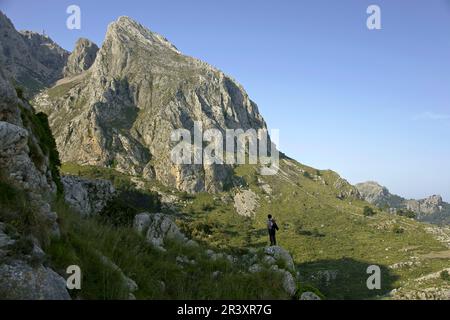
255	268
245	203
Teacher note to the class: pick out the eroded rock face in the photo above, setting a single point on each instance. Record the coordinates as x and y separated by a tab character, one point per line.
25	168
376	194
426	206
33	60
140	88
29	170
158	228
82	57
88	197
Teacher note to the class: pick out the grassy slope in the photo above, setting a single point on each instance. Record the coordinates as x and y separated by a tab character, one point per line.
322	232
83	239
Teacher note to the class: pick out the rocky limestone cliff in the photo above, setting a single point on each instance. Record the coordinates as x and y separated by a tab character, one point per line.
121	112
376	194
33	60
27	184
432	209
82	57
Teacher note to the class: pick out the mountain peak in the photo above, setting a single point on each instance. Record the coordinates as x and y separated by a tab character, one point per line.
127	30
82	57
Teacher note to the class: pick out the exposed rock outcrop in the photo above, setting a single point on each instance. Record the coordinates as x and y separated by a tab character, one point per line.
432	209
33	60
19	280
82	57
280	254
245	203
376	194
158	228
27	174
123	110
88	197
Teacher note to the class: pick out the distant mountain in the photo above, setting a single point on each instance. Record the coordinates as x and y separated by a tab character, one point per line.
432	209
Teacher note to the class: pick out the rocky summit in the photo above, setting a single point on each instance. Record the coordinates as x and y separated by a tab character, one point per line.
82	57
33	60
121	112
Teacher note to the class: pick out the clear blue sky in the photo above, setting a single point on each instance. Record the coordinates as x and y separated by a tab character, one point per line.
371	105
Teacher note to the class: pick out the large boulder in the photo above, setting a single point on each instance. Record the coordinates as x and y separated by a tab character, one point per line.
86	196
20	281
280	254
158	228
288	281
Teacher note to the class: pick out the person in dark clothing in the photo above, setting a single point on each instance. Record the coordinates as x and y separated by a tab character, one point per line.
272	229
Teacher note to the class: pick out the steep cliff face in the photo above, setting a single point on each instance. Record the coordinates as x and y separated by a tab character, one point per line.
28	183
33	60
82	57
122	111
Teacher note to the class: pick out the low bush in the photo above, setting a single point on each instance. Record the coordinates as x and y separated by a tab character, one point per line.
368	211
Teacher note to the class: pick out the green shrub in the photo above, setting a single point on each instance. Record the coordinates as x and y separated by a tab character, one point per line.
406	213
368	211
84	240
301	288
18	215
121	210
19	92
445	275
40	127
398	230
186	196
307	175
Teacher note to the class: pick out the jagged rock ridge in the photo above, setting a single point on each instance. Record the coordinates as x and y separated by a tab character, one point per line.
33	60
432	209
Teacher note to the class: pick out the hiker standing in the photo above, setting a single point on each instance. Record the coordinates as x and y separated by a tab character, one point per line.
272	229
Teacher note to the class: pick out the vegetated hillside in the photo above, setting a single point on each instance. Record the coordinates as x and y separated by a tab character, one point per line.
118	113
322	225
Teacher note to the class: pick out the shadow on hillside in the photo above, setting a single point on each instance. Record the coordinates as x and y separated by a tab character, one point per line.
345	278
313	233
